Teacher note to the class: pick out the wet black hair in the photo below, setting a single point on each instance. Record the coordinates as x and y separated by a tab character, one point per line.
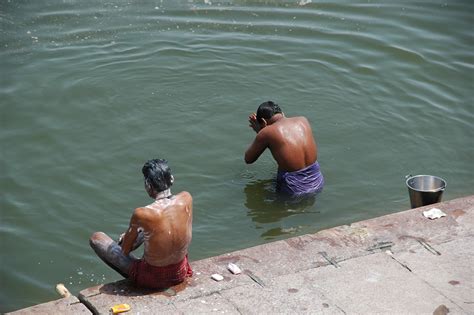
267	109
157	174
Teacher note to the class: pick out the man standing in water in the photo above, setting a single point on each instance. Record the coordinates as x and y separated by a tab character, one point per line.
165	226
291	142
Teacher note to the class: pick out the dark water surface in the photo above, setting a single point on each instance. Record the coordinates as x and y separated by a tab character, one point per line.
92	89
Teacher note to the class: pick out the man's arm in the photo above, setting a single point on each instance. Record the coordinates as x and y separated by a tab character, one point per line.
259	144
132	233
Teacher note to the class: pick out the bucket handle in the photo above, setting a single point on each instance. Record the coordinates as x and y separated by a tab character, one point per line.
408	176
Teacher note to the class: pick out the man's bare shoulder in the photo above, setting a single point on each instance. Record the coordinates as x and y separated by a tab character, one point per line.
268	132
184	196
141	212
300	118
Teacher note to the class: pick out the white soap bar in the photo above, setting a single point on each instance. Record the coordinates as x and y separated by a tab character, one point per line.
217	277
434	213
234	268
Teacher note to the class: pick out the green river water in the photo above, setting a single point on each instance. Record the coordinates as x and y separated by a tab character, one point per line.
90	90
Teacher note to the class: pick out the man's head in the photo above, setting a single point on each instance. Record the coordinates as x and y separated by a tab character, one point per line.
266	111
157	175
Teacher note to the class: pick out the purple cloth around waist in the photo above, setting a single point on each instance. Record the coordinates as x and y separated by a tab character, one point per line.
305	181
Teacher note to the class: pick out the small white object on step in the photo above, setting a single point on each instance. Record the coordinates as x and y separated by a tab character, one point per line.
217	277
434	213
62	290
234	268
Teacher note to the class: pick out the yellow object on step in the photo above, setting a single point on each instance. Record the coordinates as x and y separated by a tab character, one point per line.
120	308
62	290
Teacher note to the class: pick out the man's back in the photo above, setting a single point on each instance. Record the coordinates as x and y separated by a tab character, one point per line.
167	228
292	145
291	142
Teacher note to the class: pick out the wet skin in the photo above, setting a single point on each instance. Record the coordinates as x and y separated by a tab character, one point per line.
165	228
290	141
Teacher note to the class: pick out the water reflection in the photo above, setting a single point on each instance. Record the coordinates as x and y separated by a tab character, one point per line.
267	208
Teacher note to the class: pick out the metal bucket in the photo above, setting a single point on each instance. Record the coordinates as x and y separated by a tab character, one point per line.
425	189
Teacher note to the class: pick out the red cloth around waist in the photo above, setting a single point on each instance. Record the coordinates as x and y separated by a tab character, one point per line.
154	277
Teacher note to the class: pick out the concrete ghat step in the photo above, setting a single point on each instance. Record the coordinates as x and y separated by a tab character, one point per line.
345	269
69	305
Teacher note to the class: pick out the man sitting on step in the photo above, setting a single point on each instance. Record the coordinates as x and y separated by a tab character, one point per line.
165	226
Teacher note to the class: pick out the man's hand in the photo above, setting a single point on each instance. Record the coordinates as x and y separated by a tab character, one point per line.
253	123
138	241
